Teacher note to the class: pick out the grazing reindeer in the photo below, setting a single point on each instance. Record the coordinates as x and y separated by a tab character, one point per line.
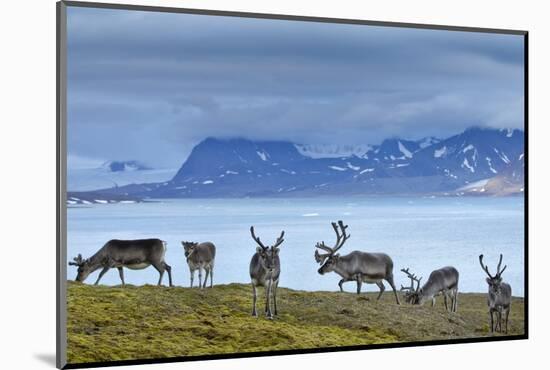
411	293
441	281
200	256
133	254
265	268
358	266
499	298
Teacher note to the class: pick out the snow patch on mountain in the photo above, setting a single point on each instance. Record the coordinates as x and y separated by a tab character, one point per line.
475	185
490	164
427	141
404	150
502	156
317	151
466	164
366	170
438	153
469	147
336	168
263	155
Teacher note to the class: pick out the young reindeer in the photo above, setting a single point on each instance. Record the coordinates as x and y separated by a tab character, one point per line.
441	281
200	256
265	268
499	298
362	267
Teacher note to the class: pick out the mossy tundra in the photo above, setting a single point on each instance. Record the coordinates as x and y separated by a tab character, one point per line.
121	323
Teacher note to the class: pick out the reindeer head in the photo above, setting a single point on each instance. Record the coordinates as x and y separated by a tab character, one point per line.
496	280
189	248
329	260
320	258
269	254
84	268
412	295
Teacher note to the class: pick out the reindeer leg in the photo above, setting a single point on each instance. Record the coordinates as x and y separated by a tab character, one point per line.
389	279
492	321
121	274
160	268
211	276
200	277
254	300
340	283
267	300
206	273
161	273
105	269
455	301
382	289
445	300
192	274
506	318
275	297
168	269
359	283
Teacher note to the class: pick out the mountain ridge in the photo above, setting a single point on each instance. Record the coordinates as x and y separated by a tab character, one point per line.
238	167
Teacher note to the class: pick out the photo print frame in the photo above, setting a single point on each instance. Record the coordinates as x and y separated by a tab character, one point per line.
239	184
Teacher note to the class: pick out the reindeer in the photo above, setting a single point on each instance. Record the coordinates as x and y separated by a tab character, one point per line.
265	268
441	281
370	268
133	254
499	298
200	256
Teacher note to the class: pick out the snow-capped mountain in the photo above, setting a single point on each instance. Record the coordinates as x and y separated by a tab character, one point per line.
113	174
240	167
121	166
472	155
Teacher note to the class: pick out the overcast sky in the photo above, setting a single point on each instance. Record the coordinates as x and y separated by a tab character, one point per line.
148	86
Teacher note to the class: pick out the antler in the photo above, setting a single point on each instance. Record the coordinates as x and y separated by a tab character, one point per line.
256	239
499	271
484	267
413	278
340	239
77	261
279	240
324	247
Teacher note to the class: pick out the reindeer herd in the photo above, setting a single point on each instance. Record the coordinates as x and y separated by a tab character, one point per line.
265	269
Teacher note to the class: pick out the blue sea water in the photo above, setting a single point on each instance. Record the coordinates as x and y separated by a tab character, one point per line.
420	233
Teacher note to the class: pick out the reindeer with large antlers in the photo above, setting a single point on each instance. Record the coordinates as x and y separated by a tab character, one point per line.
442	281
362	267
265	268
499	298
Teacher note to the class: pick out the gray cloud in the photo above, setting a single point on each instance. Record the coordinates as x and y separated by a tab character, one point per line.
149	86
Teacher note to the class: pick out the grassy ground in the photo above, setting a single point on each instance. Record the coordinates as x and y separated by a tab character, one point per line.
114	323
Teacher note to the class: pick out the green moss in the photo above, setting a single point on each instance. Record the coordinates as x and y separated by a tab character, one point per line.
115	323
